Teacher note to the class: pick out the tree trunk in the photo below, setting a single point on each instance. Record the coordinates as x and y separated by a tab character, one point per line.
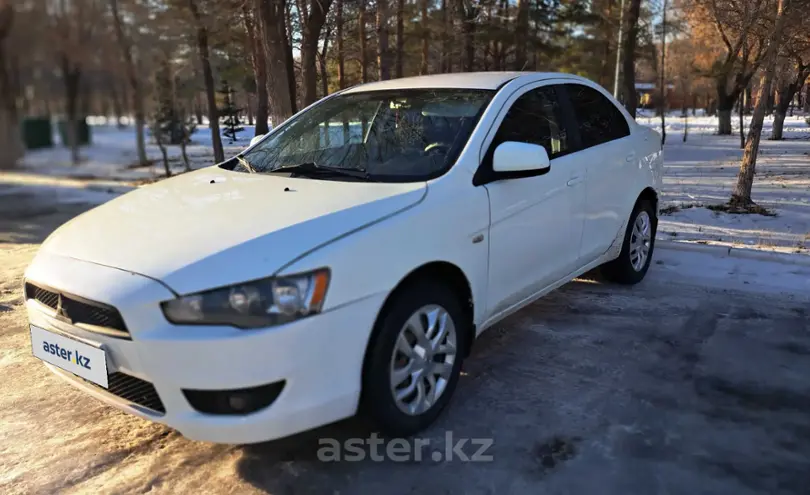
778	124
784	100
400	38
286	39
311	33
259	69
186	163
324	71
740	108
361	31
165	158
724	122
115	99
71	78
741	197
445	58
628	56
383	53
134	84
198	108
11	145
423	67
521	34
341	63
272	17
208	78
467	18
663	84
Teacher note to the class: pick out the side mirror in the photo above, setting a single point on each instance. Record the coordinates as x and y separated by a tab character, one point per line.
513	156
256	139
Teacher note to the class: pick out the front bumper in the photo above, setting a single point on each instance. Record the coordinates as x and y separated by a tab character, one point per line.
319	358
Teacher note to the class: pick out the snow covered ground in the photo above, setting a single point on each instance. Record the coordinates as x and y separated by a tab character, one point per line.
112	155
699	172
702	172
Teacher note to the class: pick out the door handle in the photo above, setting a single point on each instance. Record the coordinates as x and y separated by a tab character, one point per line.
631	157
574	181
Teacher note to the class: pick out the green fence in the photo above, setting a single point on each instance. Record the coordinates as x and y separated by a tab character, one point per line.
84	132
37	133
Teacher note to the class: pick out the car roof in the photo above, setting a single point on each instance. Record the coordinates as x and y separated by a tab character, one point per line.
461	80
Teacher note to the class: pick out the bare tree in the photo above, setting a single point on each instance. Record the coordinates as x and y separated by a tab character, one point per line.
11	148
446	64
287	42
786	90
272	14
363	41
133	79
467	13
521	34
662	97
741	197
383	52
400	51
259	67
628	55
313	17
73	25
208	78
341	63
736	23
423	25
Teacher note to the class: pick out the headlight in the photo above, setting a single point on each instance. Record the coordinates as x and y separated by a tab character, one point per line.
260	303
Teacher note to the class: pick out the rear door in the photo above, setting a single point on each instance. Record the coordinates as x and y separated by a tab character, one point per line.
607	153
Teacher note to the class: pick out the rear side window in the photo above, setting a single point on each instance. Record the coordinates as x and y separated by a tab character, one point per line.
598	119
536	118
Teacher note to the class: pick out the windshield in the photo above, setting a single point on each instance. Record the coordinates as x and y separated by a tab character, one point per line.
392	136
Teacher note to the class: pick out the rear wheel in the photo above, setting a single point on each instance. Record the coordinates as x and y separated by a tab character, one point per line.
637	249
414	359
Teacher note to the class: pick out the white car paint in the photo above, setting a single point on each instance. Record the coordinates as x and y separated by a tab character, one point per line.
514	240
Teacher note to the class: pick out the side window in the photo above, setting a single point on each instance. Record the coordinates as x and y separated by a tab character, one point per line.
536	118
598	119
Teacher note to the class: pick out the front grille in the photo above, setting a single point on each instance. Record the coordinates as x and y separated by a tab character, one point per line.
134	390
76	309
127	387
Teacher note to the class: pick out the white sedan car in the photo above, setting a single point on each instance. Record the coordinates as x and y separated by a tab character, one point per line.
347	260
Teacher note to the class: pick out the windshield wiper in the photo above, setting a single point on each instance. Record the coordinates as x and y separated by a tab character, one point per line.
246	164
311	168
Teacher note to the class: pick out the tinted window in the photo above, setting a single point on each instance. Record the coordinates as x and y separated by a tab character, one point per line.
598	119
536	118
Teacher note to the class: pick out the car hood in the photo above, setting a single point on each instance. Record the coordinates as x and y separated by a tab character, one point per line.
215	227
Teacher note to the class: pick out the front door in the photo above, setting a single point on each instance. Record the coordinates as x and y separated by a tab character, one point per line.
535	222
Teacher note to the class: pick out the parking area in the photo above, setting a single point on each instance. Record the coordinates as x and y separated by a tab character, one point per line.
676	385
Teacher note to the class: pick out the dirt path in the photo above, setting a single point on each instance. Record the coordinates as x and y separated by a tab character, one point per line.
661	388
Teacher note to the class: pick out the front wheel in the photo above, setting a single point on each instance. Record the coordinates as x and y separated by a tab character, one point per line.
414	359
637	249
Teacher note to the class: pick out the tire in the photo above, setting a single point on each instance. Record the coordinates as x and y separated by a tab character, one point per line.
410	308
627	268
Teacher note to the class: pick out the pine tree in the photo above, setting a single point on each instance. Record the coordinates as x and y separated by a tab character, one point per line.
230	112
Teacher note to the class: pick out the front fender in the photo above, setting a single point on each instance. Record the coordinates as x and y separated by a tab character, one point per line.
440	228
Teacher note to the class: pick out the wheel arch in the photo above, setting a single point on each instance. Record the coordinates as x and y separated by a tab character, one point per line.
443	272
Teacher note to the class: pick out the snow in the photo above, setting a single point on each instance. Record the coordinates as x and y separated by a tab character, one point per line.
729	273
112	154
698	173
702	172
